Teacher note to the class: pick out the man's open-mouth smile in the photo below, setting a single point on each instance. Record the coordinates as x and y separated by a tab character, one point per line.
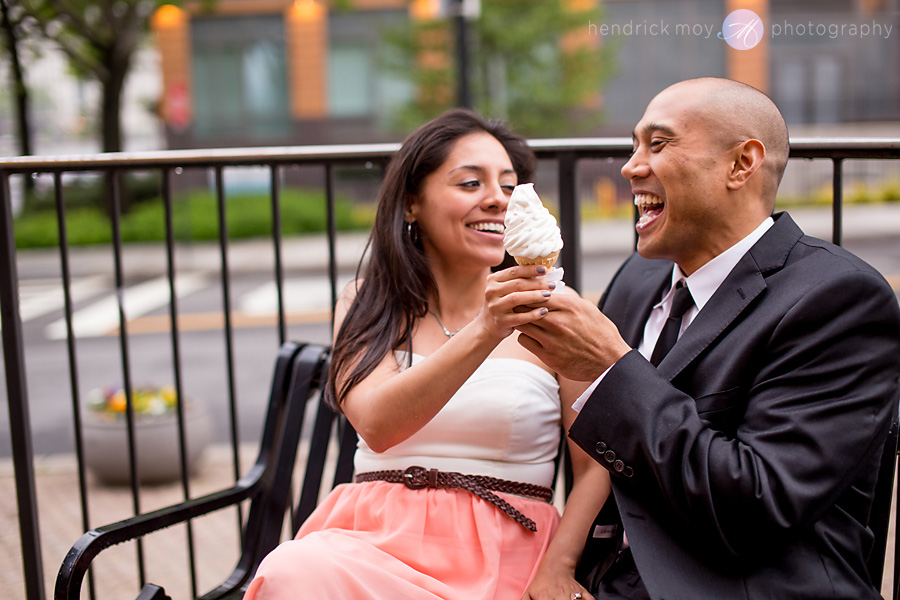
650	206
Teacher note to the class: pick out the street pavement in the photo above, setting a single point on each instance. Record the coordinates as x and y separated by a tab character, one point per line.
216	537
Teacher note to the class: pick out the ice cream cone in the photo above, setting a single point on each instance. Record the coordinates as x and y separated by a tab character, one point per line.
548	261
532	235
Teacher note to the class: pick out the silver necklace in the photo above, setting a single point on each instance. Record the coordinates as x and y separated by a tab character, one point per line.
447	332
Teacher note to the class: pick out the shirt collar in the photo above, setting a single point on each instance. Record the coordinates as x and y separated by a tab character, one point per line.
704	282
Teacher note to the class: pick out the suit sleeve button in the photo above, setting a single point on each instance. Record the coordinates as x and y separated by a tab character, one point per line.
600	447
609	456
618	466
628	472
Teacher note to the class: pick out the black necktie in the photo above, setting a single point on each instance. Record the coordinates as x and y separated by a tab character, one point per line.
682	301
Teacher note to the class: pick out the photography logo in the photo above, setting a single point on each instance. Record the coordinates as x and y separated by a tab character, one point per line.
742	29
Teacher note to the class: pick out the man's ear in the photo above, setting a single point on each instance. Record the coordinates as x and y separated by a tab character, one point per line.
749	157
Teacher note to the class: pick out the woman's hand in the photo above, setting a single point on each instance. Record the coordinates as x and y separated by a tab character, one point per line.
514	297
555	576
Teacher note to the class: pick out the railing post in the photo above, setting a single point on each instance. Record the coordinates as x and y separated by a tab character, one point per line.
17	401
277	245
570	217
332	235
837	201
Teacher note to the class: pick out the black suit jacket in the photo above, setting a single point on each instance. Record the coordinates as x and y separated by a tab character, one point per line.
744	465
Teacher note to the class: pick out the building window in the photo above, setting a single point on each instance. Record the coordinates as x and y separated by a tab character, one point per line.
360	85
350	82
239	77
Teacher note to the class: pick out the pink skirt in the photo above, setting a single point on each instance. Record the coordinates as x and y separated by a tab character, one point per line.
382	540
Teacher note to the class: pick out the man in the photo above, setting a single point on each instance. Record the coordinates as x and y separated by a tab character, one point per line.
743	464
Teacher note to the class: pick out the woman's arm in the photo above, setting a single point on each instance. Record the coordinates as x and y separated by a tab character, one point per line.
390	405
555	577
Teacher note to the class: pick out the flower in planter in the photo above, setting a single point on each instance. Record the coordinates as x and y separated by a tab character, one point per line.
110	403
156	443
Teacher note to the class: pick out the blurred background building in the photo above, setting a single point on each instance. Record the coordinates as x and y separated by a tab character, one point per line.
808	61
302	72
215	73
273	72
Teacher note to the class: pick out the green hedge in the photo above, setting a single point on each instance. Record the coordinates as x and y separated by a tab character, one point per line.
195	217
855	193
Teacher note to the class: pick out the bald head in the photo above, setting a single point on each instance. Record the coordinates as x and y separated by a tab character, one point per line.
737	112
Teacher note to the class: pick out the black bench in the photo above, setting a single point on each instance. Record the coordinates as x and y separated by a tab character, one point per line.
299	373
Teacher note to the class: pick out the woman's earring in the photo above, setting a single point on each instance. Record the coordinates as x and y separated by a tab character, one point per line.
412	232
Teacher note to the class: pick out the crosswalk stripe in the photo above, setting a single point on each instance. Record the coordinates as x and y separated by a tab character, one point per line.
44	299
309	294
102	316
38	297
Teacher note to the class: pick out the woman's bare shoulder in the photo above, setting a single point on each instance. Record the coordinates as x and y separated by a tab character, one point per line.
344	300
348	294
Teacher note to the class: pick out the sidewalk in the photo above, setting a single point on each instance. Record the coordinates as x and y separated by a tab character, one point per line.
216	542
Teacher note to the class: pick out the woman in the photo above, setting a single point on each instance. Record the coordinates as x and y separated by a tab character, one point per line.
427	369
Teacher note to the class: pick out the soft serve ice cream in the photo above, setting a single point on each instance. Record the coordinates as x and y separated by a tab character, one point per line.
532	236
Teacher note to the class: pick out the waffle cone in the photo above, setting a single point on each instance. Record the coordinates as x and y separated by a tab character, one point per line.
547	261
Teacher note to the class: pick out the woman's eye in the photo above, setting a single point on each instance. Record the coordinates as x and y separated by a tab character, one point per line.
508	188
472	183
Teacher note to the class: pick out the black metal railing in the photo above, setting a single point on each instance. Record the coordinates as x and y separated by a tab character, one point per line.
567	155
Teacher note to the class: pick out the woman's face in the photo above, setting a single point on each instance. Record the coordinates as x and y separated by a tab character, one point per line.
461	205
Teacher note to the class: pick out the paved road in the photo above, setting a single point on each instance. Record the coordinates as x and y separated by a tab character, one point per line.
873	233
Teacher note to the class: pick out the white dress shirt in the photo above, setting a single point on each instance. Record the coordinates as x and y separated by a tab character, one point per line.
702	284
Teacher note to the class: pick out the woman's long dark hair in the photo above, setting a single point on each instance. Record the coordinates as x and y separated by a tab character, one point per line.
397	282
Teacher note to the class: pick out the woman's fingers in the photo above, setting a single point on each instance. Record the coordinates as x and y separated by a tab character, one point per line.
520	272
515	297
518	279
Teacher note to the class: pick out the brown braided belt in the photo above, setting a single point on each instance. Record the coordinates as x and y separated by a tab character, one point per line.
416	478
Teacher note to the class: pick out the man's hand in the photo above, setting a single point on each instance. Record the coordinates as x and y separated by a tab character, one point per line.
574	339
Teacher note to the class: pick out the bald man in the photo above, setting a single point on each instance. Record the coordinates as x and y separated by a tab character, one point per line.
744	459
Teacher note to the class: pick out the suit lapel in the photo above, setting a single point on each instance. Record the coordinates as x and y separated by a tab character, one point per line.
651	286
745	282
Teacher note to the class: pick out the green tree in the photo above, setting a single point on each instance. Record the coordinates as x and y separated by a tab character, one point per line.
99	38
14	33
532	63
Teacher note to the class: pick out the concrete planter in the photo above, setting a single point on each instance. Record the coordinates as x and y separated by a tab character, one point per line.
156	445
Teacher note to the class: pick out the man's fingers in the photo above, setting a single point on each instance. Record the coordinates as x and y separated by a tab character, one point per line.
528	342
